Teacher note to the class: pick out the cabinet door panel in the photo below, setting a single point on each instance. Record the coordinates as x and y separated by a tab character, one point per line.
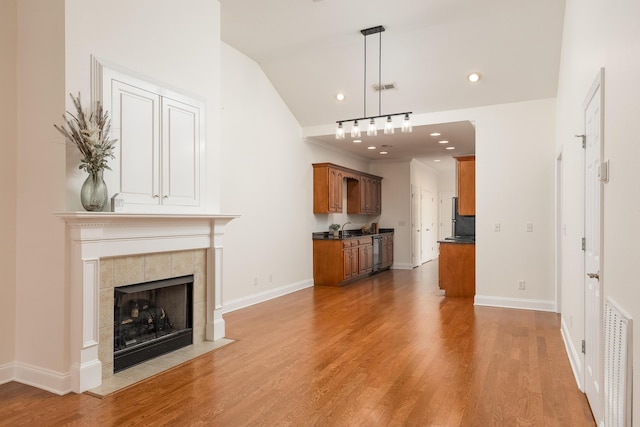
181	149
135	118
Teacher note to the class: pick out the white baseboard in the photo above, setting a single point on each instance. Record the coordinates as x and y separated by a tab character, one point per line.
55	382
398	266
6	373
519	303
574	357
247	301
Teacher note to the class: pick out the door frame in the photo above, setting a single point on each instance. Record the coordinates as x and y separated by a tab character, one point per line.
560	232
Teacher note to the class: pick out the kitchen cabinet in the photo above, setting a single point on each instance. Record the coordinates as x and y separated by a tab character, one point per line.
160	144
457	269
339	261
327	189
466	185
350	255
365	196
365	256
364	191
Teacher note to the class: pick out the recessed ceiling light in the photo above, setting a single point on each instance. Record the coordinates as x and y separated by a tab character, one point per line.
443	142
436	160
340	97
473	77
371	148
436	134
384	152
451	148
357	141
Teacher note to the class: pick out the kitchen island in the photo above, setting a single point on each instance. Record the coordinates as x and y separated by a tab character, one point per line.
457	267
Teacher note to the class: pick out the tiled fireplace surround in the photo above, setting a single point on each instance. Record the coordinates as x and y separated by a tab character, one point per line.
106	250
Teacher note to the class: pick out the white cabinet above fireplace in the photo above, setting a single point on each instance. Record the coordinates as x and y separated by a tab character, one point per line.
160	150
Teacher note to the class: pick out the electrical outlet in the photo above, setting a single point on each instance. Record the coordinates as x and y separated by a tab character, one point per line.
255	281
521	285
529	227
271	278
497	227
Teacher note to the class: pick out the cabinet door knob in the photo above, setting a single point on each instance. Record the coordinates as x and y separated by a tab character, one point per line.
594	275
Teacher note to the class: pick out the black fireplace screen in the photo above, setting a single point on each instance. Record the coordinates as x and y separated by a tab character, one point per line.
151	319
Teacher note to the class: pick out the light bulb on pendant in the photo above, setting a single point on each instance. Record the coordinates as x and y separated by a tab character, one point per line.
355	130
406	124
388	126
372	130
340	131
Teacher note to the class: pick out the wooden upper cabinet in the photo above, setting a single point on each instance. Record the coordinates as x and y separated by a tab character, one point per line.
327	189
466	185
364	191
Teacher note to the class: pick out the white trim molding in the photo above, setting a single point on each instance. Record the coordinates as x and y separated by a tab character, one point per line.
519	303
92	236
575	359
250	300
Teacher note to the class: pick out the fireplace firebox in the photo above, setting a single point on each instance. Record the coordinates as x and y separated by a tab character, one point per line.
151	319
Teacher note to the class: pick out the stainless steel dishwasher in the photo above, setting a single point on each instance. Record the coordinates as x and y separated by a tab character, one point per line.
377	252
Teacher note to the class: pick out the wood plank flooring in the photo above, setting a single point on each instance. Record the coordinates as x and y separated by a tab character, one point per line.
385	351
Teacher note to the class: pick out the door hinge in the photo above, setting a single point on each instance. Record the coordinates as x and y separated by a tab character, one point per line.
584	347
584	244
584	140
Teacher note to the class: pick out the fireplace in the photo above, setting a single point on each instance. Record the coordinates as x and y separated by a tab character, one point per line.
151	319
104	247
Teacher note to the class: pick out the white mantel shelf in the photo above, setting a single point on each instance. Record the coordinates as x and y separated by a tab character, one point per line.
94	235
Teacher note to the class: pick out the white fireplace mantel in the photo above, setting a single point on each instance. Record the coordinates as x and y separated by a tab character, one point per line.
91	236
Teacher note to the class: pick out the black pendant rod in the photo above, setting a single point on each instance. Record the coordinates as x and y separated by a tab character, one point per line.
375	117
379	74
364	89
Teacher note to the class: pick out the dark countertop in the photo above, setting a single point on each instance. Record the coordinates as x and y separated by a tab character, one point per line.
459	239
351	234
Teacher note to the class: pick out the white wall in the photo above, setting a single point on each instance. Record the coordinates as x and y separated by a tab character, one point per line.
8	186
172	44
598	35
268	180
41	346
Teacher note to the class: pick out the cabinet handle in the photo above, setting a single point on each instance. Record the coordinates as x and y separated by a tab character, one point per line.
165	197
155	196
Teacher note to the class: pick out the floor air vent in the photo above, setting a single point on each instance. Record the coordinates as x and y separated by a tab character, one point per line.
617	366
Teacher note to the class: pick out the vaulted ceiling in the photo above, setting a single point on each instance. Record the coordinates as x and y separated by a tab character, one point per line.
312	50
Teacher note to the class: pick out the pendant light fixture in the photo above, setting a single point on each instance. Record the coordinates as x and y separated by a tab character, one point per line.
372	130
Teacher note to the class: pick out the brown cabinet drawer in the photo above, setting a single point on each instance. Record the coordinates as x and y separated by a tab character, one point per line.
349	243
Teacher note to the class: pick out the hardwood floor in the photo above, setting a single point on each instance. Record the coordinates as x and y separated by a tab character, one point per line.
388	350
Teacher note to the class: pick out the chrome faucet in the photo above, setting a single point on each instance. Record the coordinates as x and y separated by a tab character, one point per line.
343	233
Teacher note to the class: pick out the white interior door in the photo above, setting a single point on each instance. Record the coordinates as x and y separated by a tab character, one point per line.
416	238
593	250
428	226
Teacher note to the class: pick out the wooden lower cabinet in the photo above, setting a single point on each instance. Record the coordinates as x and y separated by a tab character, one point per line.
350	263
457	269
336	262
365	258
